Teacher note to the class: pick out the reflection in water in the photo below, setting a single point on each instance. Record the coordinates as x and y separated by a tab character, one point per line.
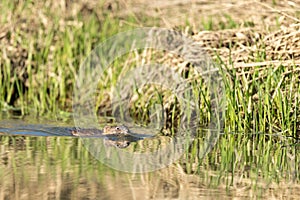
62	168
49	167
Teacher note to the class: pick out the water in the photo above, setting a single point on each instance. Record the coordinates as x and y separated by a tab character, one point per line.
59	166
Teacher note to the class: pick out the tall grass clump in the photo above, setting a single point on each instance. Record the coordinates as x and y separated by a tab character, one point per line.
41	56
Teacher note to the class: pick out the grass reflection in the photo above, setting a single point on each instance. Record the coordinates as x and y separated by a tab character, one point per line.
61	167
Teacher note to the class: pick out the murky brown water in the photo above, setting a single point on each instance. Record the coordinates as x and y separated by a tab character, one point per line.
52	167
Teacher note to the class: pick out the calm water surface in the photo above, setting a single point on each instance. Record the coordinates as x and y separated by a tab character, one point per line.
39	164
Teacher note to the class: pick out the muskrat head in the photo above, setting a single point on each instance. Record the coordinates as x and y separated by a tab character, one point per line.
118	130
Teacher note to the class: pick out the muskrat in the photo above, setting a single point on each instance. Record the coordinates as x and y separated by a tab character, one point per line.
107	130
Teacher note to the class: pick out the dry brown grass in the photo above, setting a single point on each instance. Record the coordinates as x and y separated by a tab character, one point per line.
266	13
238	47
275	25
